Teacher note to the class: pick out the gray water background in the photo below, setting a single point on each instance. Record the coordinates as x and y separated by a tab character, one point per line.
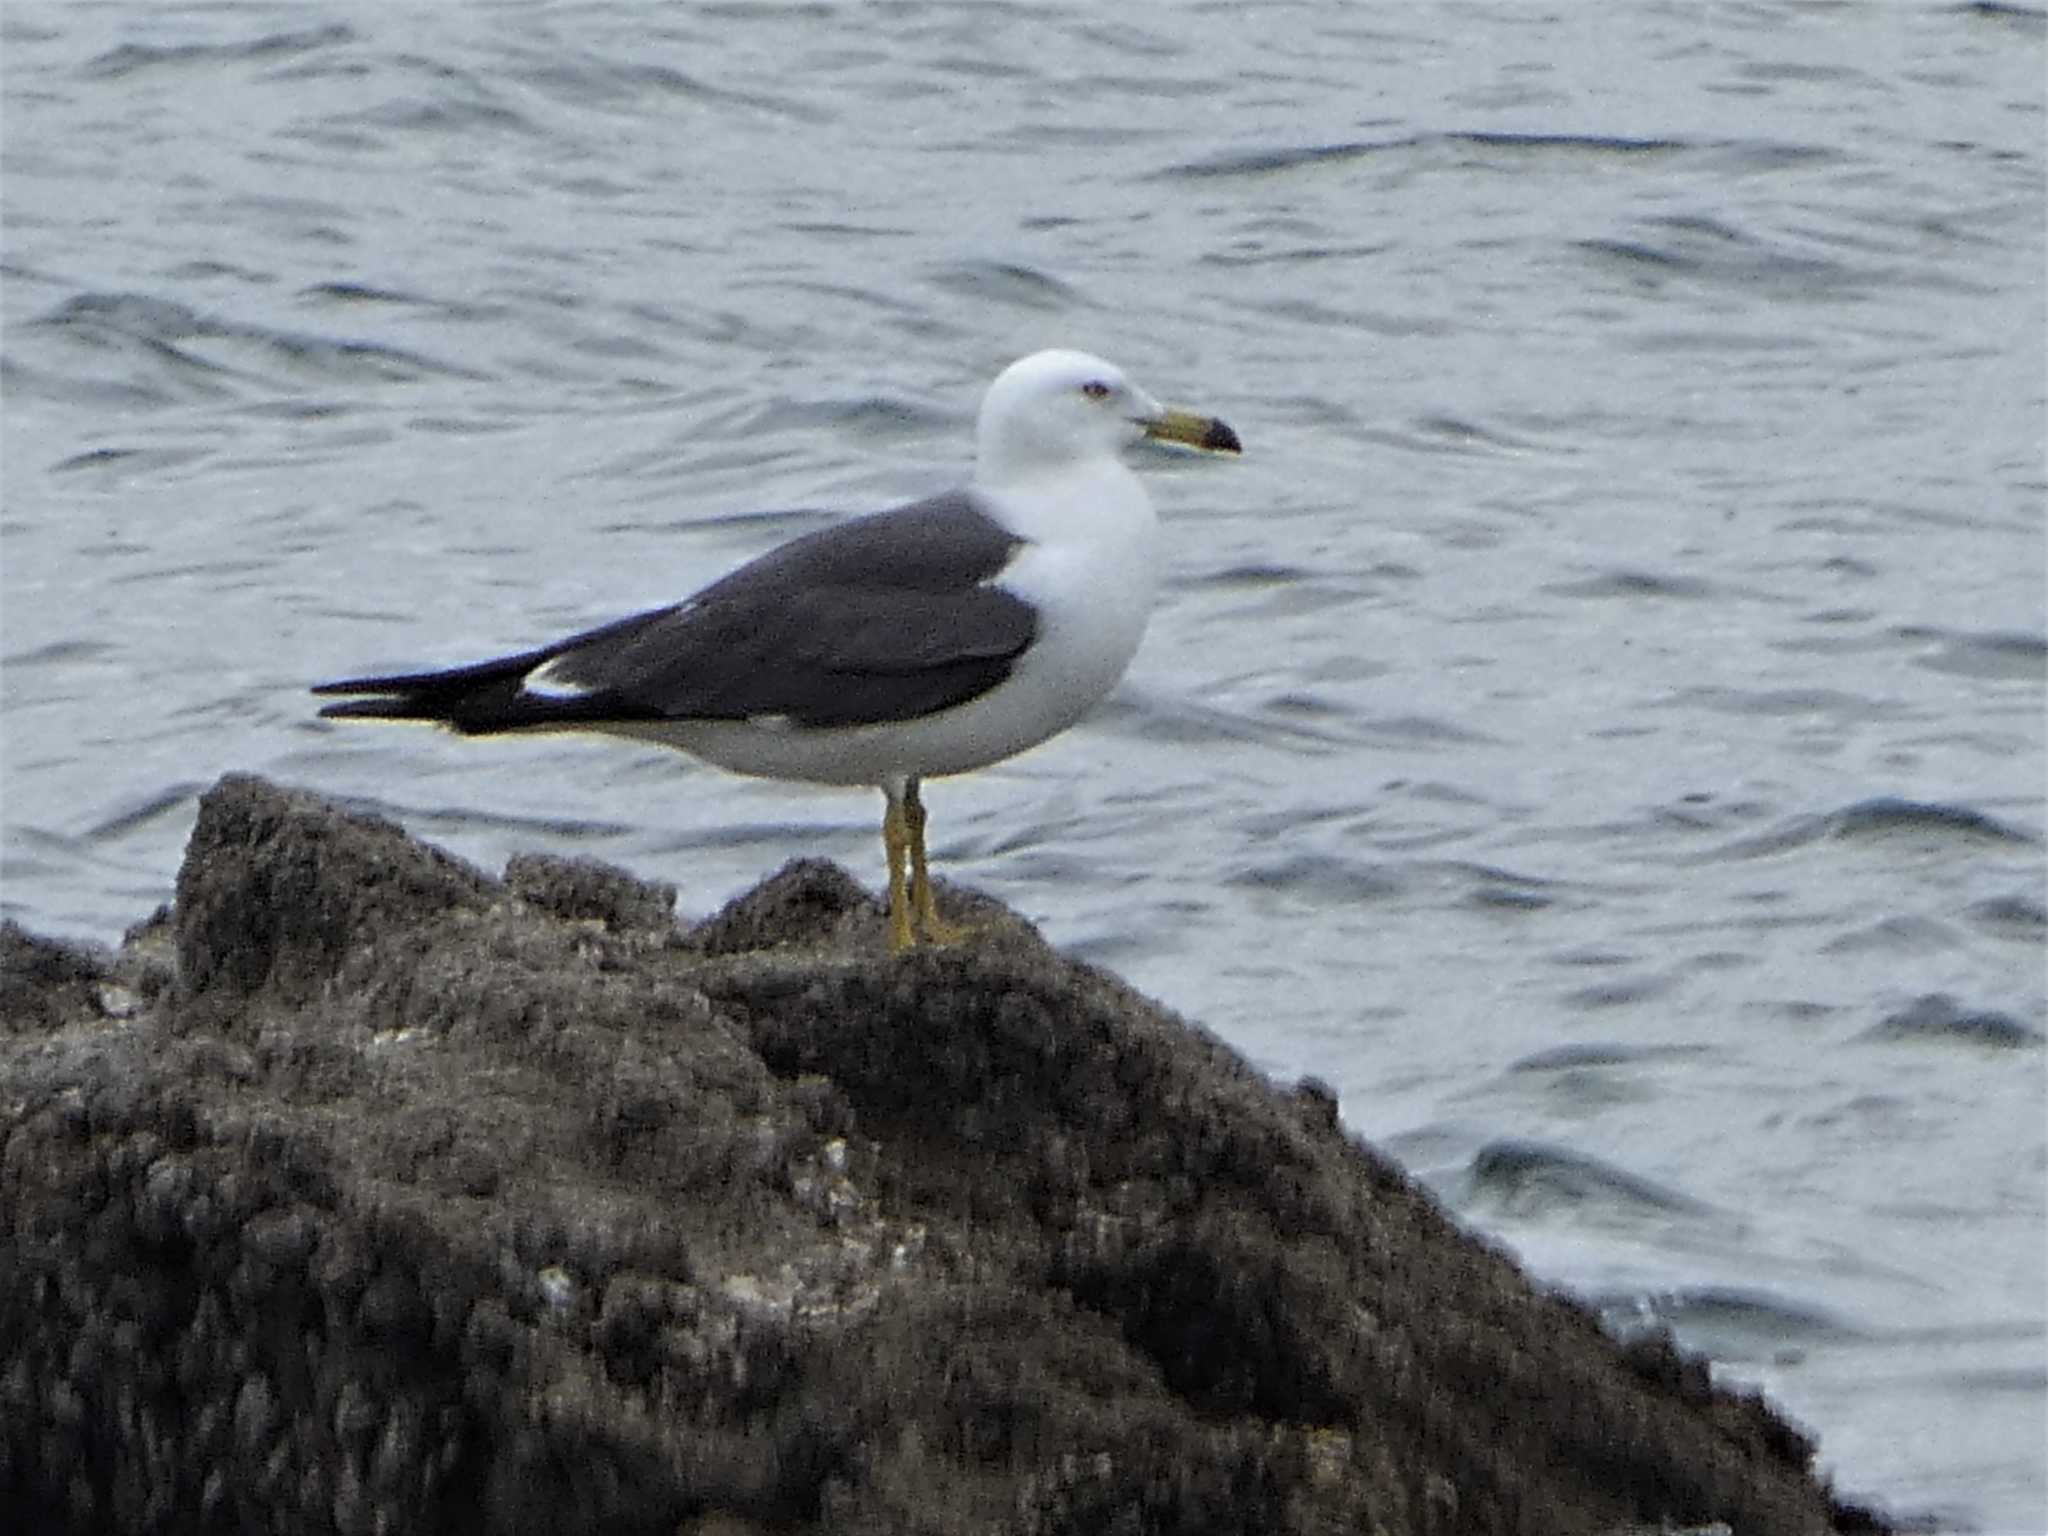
1597	727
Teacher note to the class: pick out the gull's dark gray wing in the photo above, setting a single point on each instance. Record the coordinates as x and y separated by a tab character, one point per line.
884	618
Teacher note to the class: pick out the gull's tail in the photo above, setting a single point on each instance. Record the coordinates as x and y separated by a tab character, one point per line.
506	693
475	700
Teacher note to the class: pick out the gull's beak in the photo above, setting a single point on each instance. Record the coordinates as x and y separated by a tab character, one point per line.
1197	431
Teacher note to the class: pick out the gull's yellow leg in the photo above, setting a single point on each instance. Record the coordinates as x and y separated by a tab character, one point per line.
895	839
931	927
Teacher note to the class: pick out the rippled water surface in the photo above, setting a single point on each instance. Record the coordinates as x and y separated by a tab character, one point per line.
1597	727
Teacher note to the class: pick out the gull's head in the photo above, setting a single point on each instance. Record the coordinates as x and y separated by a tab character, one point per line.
1056	409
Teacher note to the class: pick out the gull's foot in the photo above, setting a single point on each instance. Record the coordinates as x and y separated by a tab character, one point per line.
935	930
932	928
919	923
901	934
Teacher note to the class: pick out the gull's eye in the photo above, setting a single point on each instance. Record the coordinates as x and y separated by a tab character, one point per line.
1095	389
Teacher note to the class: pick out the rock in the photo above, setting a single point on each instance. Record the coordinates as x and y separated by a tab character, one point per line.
593	892
420	1201
44	983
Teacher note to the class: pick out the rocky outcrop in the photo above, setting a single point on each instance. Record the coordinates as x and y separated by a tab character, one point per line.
362	1192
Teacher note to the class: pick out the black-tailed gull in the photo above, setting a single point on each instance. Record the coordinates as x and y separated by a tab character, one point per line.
930	639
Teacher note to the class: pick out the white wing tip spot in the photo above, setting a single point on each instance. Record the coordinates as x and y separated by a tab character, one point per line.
544	682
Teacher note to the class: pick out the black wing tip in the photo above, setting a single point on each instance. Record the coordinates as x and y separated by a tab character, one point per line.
396	683
394	697
376	709
483	711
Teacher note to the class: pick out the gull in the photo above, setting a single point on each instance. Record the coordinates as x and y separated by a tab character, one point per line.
930	639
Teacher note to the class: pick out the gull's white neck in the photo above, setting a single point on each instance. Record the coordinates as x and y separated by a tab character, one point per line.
1086	500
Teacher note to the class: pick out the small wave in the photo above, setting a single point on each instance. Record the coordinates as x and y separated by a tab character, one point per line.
360	293
1899	935
1887	814
469	818
211	355
1631	584
1254	575
587	79
1321	877
57	653
2025	17
1782	701
1728	1322
2023	916
127	461
1713	252
1292	157
1939	1019
868	418
1882	817
1182	721
1991	654
135	58
1460	433
150	808
1422	731
771	835
1004	282
1590	1055
1529	1177
1618	994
